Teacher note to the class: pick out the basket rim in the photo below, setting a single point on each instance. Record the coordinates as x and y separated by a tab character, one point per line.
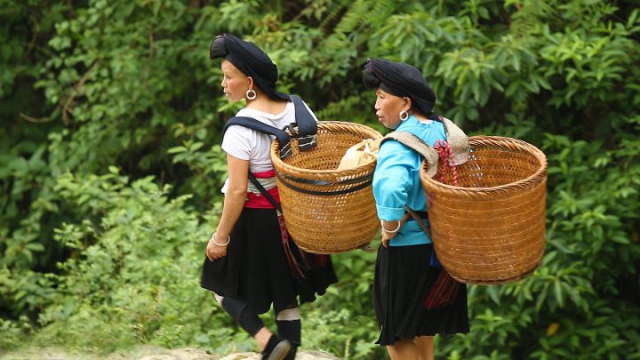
331	173
537	177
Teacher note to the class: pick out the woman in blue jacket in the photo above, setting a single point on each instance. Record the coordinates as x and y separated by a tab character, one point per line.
405	275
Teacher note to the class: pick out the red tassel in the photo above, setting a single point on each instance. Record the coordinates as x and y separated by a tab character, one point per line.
312	261
305	260
444	291
293	263
321	260
447	168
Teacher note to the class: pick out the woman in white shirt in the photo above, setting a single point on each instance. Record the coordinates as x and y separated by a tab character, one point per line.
251	265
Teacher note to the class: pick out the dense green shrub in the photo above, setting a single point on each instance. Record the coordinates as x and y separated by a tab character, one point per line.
110	165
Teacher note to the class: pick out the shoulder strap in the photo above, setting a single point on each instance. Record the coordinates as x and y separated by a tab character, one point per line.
307	127
415	143
428	153
418	220
458	141
281	135
264	191
306	123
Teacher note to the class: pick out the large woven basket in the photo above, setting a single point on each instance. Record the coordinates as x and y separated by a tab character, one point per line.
327	211
490	228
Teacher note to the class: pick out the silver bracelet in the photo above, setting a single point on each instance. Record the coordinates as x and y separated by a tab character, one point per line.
213	238
390	231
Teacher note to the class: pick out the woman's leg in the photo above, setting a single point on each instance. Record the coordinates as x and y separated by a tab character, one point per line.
240	312
250	322
290	327
425	345
403	350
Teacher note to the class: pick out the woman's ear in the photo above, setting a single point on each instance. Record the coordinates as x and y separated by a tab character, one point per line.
407	103
250	82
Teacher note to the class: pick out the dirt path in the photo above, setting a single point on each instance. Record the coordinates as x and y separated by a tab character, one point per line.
152	353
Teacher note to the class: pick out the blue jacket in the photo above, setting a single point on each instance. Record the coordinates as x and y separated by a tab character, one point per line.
396	180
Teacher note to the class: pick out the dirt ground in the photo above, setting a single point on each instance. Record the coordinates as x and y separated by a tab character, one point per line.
153	353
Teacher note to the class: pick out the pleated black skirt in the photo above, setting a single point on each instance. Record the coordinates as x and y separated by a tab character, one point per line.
256	268
404	279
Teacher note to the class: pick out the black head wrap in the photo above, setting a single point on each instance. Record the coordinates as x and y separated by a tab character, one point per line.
249	59
401	80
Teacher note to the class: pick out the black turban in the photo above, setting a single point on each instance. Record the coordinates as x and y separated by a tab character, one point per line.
401	80
249	59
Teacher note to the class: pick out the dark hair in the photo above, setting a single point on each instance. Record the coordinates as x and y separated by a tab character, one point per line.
250	60
371	81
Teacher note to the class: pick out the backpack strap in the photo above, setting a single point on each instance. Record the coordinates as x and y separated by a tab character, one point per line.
458	141
307	127
264	192
418	145
415	143
281	135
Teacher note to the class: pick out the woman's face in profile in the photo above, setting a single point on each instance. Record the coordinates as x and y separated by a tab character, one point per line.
234	83
388	108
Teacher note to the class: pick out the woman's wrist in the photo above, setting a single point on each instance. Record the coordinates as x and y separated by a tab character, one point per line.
218	243
390	230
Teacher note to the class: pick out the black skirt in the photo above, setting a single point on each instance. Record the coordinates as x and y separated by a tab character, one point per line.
256	267
404	279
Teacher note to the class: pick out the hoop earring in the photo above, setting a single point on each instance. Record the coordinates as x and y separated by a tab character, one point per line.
404	115
250	94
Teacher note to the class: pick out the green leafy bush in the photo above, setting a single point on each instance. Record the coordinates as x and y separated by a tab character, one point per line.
110	165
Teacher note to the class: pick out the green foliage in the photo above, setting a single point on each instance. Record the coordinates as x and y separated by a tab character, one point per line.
110	167
132	271
355	270
319	332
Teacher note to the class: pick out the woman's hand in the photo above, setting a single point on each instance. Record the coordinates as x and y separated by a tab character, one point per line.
391	228
386	237
232	206
215	251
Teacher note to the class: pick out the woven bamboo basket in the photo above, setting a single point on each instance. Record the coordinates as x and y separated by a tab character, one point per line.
327	211
490	228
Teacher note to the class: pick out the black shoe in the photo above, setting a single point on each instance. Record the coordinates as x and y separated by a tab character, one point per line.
276	349
292	353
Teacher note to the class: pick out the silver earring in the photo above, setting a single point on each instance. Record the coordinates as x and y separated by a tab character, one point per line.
250	94
404	115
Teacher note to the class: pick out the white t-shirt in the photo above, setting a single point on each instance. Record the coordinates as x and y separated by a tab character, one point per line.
255	146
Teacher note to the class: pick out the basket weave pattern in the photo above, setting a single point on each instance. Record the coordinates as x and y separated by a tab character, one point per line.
490	228
327	210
